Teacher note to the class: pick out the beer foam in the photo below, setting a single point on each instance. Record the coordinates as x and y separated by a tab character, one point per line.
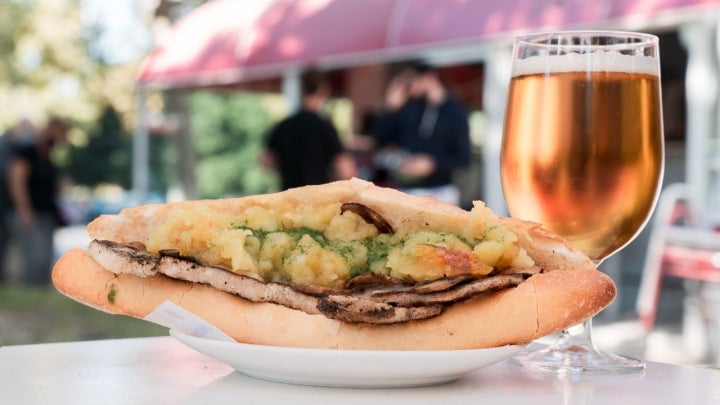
598	61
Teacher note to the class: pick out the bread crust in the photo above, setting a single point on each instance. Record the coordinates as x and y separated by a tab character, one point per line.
544	304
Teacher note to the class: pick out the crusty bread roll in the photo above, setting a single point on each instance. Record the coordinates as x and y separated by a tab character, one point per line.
570	289
544	304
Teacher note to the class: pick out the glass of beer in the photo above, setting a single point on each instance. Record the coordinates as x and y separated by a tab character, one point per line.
582	154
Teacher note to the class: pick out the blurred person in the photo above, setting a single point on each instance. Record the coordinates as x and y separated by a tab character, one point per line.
22	134
424	137
33	185
305	148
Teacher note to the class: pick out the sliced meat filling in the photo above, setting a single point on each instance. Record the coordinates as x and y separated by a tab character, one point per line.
369	299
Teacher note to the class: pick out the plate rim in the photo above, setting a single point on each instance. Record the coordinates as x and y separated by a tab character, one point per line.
456	363
358	352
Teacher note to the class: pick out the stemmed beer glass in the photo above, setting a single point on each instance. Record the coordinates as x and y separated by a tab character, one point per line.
582	154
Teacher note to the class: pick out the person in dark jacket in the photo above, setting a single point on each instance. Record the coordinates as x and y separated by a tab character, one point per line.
33	185
424	137
305	148
20	135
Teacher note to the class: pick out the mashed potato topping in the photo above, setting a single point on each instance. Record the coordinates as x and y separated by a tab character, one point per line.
325	246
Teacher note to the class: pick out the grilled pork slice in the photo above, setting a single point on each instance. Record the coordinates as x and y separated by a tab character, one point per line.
371	299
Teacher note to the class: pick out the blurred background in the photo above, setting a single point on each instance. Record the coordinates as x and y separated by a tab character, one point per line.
172	100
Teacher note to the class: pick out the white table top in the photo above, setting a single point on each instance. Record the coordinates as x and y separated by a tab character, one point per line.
164	371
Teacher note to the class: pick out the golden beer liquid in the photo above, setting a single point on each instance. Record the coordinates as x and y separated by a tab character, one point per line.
582	155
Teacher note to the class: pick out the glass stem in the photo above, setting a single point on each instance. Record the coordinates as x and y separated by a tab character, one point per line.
578	338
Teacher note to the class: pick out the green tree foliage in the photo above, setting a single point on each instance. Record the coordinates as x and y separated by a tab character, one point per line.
107	156
48	67
14	23
163	158
44	67
228	132
52	62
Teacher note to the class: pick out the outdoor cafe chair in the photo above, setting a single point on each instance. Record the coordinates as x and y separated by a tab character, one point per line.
677	247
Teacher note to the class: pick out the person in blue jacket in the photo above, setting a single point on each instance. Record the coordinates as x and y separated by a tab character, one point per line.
424	137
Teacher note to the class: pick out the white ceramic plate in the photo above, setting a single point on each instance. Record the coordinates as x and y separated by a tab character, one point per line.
347	368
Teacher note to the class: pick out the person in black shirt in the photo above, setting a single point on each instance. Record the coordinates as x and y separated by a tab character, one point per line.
305	148
424	137
34	213
20	135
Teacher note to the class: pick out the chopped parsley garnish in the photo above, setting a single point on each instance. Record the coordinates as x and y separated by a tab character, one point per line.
111	294
377	248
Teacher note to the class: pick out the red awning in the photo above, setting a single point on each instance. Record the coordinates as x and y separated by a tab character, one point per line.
231	41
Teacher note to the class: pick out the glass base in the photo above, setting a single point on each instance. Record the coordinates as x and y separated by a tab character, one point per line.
575	359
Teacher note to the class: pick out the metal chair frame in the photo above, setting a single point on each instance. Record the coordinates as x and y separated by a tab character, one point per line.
677	247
